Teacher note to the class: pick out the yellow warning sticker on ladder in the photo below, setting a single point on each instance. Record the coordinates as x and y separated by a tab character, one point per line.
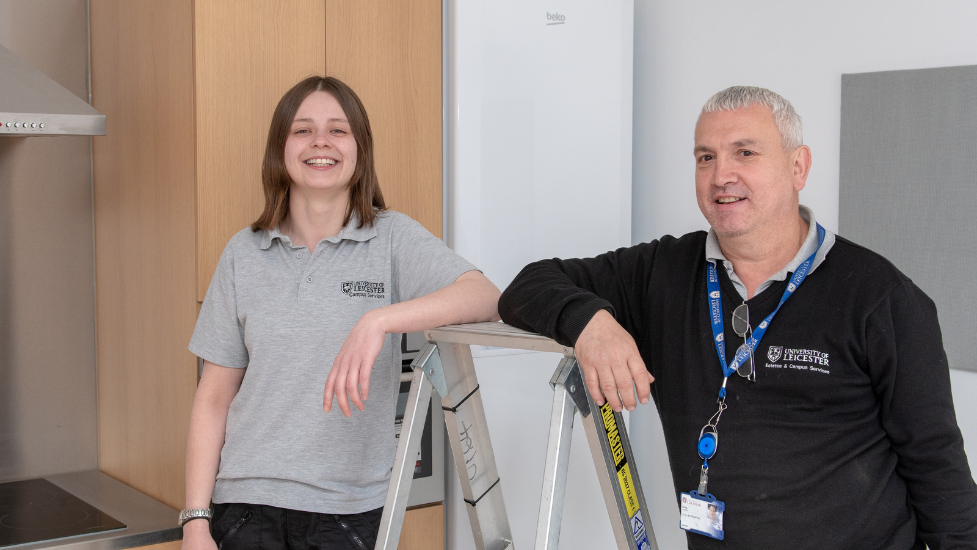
613	435
638	531
627	489
620	461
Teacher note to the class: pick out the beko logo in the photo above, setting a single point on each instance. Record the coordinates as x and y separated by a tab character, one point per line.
555	19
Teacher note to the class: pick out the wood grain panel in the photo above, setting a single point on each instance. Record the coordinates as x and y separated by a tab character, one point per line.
423	529
247	55
142	79
389	51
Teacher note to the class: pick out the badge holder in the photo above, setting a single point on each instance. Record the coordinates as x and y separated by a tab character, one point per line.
702	513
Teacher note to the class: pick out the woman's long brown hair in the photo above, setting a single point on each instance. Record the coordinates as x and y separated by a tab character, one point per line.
365	197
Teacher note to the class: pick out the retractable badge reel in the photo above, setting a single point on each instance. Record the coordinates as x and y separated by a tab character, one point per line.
702	513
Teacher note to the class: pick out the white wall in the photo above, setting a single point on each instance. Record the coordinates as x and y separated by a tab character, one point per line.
686	51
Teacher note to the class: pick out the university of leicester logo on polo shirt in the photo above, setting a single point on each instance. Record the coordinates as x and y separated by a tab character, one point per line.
799	359
364	289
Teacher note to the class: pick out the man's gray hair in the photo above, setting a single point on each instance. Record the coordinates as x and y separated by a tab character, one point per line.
785	117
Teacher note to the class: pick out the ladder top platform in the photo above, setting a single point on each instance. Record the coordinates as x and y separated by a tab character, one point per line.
498	335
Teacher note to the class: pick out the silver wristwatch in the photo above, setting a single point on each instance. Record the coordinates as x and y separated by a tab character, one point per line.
195	513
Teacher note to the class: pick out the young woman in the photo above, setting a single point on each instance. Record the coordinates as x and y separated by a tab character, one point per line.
307	306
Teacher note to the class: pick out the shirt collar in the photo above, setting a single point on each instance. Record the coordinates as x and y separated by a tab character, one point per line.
351	232
714	253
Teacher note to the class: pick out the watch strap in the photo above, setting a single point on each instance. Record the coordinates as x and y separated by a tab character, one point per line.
194	513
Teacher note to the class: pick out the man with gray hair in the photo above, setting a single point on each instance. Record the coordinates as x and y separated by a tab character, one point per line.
833	397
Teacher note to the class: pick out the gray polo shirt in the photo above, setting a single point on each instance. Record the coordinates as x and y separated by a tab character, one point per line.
283	314
714	253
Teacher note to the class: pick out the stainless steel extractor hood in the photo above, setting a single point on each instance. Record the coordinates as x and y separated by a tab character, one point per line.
31	104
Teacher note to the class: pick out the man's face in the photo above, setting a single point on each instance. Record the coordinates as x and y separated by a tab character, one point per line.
745	182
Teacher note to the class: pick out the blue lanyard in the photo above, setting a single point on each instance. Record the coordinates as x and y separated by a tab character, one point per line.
709	436
716	312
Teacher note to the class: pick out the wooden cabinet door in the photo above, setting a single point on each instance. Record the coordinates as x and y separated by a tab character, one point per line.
423	529
389	51
142	80
246	55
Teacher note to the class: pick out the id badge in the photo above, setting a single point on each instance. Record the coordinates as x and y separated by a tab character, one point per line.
702	514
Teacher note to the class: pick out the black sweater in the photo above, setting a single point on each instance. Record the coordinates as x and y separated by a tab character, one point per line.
848	437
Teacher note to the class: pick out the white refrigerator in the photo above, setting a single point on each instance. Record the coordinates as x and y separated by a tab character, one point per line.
537	165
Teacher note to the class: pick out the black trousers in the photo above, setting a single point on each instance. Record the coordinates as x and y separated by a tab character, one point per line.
257	527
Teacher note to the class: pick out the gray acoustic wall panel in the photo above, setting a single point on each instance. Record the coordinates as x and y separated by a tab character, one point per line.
909	186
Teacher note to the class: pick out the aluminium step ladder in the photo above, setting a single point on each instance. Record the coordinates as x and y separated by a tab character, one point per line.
445	366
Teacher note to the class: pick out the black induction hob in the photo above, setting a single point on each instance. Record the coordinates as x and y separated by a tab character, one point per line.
35	510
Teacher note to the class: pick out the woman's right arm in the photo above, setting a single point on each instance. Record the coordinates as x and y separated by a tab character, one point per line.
208	419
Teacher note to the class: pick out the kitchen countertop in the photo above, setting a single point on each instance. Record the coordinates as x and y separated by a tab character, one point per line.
148	521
